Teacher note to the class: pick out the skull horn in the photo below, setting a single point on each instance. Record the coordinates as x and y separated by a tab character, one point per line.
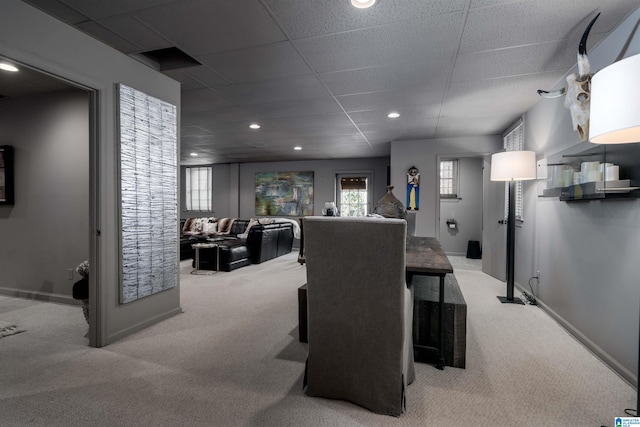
552	94
584	69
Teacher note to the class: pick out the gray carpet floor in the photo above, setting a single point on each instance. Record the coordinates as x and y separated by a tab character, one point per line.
233	358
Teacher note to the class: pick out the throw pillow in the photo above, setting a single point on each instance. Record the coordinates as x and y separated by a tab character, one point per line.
210	227
224	224
188	226
252	222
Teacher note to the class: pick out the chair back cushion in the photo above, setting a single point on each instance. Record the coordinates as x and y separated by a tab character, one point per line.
358	311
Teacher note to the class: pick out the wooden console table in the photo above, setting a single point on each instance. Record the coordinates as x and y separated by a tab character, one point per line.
425	257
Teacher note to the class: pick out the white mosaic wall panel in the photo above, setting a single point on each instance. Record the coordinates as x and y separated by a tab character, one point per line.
149	191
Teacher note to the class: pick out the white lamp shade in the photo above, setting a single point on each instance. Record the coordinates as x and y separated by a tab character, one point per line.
615	103
513	166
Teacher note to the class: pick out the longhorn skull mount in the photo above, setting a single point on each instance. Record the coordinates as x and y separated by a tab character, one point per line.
578	90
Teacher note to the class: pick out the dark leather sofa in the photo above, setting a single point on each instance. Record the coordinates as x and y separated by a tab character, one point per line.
264	242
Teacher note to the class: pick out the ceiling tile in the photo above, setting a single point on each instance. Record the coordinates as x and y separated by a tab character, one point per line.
202	100
450	127
59	10
213	26
409	116
326	131
97	9
263	62
317	120
535	58
219	115
406	76
526	22
324	105
313	18
393	100
493	96
112	39
274	90
135	32
399	130
432	38
187	83
206	76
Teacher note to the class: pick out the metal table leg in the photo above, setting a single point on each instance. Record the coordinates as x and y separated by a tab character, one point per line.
440	364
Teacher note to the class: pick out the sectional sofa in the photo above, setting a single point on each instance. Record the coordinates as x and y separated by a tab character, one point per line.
241	242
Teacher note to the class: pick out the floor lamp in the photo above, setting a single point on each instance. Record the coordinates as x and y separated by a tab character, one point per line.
512	166
615	116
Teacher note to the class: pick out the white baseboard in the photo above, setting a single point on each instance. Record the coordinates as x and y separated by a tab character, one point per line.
142	325
39	296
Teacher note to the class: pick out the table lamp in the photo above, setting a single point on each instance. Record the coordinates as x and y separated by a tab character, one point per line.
512	166
615	115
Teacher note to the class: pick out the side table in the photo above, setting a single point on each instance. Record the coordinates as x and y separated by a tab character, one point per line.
196	247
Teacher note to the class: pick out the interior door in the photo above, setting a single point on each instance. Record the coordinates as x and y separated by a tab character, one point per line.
494	230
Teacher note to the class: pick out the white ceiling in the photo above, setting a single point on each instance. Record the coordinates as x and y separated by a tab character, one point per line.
323	75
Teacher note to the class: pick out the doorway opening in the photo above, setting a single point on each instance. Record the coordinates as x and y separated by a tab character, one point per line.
51	123
460	203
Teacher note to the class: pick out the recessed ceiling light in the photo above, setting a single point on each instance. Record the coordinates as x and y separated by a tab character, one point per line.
362	4
393	115
194	154
297	147
254	126
8	67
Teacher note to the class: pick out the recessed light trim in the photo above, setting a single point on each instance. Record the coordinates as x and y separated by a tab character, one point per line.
193	154
8	67
393	115
362	4
297	148
254	126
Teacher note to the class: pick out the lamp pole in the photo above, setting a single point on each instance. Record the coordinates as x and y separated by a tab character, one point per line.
511	247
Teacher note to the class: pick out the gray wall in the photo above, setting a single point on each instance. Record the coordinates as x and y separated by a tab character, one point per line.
424	155
75	56
234	186
587	252
466	210
324	179
46	232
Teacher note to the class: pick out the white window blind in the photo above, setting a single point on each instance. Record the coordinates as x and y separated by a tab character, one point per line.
449	179
199	181
514	141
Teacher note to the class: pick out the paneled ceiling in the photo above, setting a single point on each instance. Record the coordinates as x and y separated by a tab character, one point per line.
323	75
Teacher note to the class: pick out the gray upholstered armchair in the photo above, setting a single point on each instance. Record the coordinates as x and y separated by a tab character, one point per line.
359	312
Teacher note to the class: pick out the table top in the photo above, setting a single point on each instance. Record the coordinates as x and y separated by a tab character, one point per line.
204	245
425	256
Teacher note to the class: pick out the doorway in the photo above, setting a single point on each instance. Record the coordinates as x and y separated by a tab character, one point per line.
51	125
460	203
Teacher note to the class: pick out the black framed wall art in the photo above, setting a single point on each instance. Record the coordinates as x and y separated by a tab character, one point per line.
6	175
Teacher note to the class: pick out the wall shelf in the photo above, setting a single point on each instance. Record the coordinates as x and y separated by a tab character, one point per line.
581	173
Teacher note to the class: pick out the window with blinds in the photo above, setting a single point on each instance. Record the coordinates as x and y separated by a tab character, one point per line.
353	196
449	179
514	141
198	191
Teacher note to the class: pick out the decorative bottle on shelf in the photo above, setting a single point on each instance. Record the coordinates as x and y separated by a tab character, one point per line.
389	206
